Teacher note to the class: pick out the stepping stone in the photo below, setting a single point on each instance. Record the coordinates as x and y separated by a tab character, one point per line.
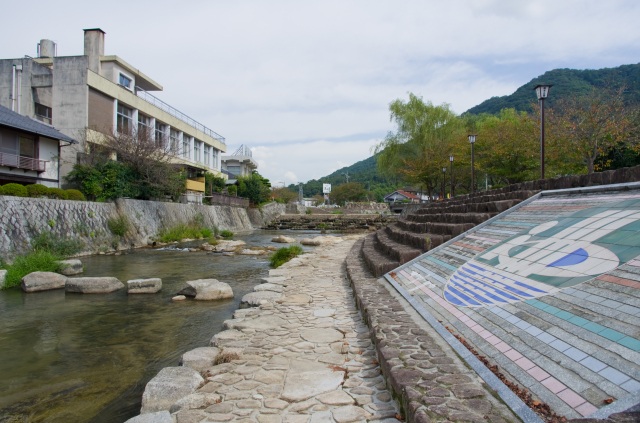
307	379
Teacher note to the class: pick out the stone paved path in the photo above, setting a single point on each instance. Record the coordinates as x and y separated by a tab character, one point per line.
306	357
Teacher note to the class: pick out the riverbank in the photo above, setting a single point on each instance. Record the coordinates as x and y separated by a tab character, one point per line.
305	357
91	223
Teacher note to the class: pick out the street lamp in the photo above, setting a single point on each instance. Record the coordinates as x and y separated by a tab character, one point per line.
472	140
542	91
444	190
451	161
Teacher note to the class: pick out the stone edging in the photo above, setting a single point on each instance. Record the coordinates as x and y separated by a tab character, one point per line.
426	376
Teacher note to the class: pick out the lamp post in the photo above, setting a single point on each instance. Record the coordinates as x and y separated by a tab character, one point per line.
472	140
451	161
444	190
542	91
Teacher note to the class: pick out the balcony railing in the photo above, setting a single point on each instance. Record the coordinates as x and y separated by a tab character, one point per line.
177	114
14	161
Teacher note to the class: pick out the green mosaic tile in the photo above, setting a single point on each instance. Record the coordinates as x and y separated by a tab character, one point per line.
631	343
611	334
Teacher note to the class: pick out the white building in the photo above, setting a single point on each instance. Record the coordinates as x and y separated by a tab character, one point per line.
93	94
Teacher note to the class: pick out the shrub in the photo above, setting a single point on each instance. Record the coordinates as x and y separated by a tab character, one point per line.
56	245
58	193
36	261
283	255
37	190
226	234
74	194
232	190
118	225
15	190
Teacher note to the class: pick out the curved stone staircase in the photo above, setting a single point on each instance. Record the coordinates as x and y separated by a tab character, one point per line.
426	226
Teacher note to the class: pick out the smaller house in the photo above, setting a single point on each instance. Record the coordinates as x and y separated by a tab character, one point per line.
29	150
401	196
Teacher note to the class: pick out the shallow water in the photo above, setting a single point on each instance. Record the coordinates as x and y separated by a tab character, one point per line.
68	357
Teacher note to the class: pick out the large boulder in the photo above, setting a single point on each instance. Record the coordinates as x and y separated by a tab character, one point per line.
144	286
71	267
228	246
207	290
93	285
200	359
168	386
321	240
43	281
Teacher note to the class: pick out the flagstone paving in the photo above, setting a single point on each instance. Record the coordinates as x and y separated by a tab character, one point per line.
549	292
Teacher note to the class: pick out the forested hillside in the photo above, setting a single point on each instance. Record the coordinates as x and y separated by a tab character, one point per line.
566	83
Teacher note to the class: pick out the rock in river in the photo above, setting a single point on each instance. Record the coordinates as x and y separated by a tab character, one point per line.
42	281
93	285
207	289
144	286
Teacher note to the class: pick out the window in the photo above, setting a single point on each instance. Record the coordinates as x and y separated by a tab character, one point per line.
207	153
27	147
125	81
196	150
174	136
215	158
160	134
124	120
144	126
186	147
234	170
43	113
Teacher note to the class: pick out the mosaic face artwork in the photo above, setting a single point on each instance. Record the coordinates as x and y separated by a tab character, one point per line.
551	256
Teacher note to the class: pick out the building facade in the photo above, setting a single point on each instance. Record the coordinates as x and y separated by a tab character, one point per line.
29	150
240	163
90	95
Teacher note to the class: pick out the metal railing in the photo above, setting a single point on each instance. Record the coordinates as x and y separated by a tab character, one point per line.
177	114
21	162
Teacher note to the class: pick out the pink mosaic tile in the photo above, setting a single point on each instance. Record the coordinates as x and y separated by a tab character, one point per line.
554	385
586	409
571	398
502	347
525	363
538	374
513	355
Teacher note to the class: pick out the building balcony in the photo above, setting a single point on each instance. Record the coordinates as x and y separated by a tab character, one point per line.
195	184
13	161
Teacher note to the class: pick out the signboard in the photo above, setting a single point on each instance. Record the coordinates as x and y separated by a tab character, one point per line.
326	188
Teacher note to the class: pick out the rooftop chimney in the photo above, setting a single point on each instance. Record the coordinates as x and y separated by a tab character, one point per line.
94	47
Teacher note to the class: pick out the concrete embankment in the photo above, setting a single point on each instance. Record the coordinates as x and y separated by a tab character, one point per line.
22	219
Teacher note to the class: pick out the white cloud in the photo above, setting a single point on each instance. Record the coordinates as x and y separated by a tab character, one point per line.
298	81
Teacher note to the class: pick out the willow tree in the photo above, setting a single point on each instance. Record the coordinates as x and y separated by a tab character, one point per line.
420	147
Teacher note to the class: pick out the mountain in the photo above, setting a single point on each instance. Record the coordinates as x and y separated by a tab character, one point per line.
566	82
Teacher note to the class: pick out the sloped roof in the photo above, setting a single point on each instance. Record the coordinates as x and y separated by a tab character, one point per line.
409	195
26	124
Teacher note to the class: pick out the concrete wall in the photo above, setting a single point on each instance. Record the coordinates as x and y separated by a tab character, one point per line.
21	219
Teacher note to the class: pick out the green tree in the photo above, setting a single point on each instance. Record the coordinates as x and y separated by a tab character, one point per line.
352	191
420	147
254	187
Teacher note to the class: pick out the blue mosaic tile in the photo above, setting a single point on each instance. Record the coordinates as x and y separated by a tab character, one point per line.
631	386
629	342
593	364
576	354
546	338
611	334
578	321
614	375
560	345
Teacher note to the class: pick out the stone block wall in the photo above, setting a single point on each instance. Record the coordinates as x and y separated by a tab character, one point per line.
22	219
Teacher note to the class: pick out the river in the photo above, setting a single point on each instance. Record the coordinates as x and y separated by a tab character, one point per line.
68	357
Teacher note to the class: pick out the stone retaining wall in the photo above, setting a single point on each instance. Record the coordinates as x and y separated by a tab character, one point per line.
21	219
330	222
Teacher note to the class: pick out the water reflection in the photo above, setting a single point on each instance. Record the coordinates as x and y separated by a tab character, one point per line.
78	358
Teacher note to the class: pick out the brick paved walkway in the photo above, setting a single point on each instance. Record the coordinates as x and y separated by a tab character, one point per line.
548	291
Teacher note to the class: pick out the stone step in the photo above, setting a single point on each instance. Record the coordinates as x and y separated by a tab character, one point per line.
436	228
421	241
475	218
485	207
396	250
377	263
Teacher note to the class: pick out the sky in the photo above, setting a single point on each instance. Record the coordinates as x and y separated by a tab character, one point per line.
306	85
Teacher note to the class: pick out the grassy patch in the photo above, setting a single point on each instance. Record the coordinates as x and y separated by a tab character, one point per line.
283	255
225	234
56	245
193	230
118	225
36	261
